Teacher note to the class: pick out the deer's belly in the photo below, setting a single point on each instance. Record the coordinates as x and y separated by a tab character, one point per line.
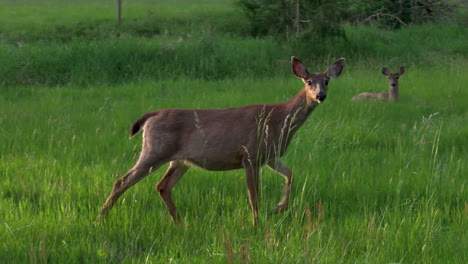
214	166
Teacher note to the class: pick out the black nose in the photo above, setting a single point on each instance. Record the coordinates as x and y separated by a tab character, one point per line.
393	84
321	97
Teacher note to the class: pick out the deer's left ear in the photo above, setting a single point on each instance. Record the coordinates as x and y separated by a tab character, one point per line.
402	70
299	68
336	68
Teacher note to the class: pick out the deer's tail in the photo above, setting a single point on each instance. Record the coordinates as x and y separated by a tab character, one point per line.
137	125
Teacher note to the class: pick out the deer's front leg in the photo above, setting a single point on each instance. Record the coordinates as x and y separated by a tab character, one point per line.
252	173
174	172
279	167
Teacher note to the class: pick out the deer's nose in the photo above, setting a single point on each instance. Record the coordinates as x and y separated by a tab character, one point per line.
393	84
321	96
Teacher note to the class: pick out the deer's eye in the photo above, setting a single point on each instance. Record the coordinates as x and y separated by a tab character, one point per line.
309	83
397	77
326	82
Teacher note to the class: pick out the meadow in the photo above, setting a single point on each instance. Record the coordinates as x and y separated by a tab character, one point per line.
374	182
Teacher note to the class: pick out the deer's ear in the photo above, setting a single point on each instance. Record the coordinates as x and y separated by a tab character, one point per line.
385	71
402	70
336	68
299	68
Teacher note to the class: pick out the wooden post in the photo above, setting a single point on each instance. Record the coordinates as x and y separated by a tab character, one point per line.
298	19
119	11
286	17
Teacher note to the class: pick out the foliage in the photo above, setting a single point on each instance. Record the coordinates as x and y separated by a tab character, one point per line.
289	18
392	14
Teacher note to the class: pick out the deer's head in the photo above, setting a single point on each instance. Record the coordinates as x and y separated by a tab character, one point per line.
316	83
393	77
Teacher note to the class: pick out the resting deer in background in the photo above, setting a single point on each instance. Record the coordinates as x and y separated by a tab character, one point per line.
246	137
393	93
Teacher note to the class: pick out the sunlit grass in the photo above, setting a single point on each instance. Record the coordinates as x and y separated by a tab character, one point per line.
374	182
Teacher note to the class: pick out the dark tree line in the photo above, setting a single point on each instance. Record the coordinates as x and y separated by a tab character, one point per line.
292	18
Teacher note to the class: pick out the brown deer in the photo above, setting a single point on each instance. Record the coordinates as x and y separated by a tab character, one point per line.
244	137
392	94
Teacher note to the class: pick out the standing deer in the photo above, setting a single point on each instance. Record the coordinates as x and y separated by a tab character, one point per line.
393	93
246	137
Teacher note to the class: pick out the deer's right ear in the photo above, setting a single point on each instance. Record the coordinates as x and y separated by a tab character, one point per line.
402	70
385	71
299	68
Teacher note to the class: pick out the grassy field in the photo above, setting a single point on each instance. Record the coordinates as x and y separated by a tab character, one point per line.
374	182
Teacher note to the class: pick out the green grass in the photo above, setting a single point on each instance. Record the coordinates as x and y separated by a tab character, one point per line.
50	43
374	182
211	56
55	20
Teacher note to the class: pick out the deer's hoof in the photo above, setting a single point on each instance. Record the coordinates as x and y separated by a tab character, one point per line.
99	220
281	208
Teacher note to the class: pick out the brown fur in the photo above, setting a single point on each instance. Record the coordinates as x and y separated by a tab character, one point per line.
223	139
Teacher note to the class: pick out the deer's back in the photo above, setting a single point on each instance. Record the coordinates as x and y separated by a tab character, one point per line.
216	139
371	96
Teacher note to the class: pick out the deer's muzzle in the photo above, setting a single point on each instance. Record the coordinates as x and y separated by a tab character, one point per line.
321	97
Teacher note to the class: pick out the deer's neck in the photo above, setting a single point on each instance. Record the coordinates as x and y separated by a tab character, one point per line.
393	93
285	120
298	109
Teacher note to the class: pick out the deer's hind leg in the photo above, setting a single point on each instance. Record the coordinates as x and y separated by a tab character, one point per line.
174	172
279	167
144	166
